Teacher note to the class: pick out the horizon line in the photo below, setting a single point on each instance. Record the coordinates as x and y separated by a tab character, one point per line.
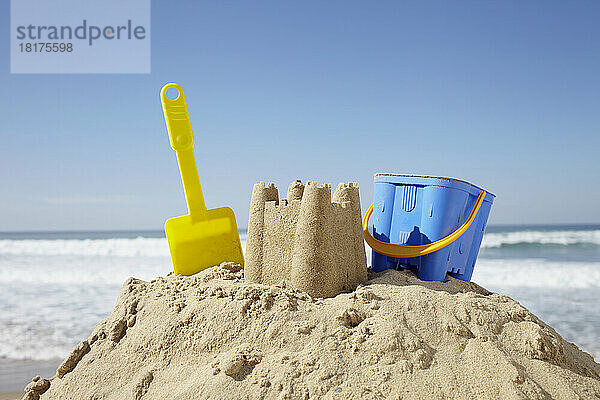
567	224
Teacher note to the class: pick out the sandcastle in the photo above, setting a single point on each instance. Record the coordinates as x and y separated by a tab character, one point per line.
313	243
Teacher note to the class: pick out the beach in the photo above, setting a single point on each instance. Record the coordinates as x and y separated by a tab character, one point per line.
60	285
11	396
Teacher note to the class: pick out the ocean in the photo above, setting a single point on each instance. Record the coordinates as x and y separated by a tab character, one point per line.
55	286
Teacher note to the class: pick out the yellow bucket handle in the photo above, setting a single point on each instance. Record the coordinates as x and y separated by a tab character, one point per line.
404	251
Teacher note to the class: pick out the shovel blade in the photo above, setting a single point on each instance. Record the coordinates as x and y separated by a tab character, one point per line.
199	244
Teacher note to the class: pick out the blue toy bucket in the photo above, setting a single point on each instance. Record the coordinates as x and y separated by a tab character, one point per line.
431	224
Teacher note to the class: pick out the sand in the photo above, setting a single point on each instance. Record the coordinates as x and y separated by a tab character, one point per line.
215	336
11	396
15	374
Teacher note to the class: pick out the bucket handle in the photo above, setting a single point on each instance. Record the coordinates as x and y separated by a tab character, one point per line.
405	251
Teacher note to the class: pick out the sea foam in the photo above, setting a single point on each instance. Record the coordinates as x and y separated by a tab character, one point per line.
533	237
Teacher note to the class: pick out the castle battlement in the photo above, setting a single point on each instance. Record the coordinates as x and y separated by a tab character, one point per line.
308	239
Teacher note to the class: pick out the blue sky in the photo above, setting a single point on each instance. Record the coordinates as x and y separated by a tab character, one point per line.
504	95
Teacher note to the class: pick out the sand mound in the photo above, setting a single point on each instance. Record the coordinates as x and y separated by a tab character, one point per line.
213	335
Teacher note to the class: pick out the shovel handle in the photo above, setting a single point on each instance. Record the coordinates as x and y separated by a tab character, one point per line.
181	137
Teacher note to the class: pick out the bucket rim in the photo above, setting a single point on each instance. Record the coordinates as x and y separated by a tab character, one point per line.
427	177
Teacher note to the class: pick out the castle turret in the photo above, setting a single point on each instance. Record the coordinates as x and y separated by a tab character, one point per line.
295	191
254	239
357	273
311	266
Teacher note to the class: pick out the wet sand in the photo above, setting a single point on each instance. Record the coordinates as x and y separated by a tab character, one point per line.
16	374
11	396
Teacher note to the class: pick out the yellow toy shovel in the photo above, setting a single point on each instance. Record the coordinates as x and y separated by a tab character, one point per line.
202	238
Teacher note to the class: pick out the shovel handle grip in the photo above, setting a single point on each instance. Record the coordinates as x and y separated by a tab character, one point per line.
177	118
181	137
